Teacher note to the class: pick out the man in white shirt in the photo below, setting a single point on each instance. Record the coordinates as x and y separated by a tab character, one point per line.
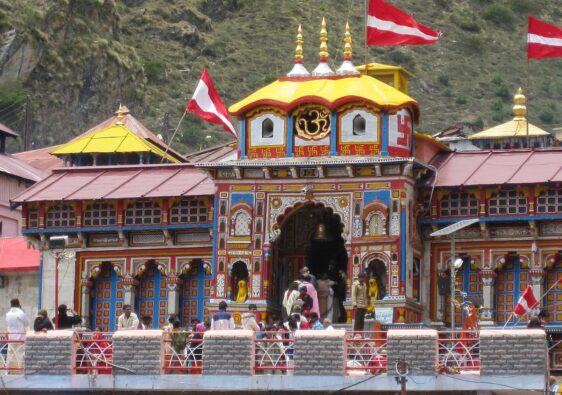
17	324
222	320
128	320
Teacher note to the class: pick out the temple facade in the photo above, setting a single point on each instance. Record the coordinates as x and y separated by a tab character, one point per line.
328	174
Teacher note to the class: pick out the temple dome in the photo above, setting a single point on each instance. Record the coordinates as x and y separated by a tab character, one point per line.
287	93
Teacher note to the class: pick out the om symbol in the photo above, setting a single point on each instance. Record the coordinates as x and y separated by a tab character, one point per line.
313	123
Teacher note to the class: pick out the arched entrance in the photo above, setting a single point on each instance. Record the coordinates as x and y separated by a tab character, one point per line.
152	297
310	235
107	299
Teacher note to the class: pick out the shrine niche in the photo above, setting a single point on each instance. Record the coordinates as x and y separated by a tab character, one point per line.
239	278
376	269
375	217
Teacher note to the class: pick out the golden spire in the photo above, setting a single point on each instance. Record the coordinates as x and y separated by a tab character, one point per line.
120	115
324	55
347	51
298	51
519	108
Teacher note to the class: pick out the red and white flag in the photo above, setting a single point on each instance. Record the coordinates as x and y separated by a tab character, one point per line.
388	25
526	302
543	40
207	103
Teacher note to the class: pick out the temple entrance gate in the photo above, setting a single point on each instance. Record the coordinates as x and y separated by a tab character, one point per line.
311	236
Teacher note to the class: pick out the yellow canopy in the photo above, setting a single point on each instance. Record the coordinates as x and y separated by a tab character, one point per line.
332	92
113	139
513	128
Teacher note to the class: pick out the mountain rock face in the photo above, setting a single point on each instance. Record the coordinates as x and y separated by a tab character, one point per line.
77	60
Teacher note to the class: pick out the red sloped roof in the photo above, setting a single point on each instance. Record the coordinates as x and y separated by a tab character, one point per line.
119	182
525	166
16	256
41	158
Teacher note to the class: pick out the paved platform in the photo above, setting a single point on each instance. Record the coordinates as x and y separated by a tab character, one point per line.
278	384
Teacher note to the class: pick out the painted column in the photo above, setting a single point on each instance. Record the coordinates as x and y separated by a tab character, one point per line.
488	279
265	270
384	133
290	138
334	134
173	284
537	278
242	140
129	290
85	300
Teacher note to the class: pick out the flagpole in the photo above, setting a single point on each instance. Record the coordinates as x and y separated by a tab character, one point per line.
366	30
172	138
528	98
508	319
538	301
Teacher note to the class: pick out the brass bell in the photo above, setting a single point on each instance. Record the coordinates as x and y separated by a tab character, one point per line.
321	233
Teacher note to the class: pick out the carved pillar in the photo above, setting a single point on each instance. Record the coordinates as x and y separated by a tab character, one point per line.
486	316
129	290
173	284
85	299
537	278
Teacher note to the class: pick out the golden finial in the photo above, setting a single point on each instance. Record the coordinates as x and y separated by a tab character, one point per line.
324	55
519	108
120	115
298	51
347	51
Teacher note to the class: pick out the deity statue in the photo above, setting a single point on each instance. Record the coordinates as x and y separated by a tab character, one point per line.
374	288
242	292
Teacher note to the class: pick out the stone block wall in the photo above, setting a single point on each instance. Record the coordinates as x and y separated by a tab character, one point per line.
52	352
228	352
320	353
417	347
513	352
138	352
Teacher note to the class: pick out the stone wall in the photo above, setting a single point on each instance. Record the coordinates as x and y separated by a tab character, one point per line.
138	352
21	285
513	352
417	347
51	352
320	353
228	352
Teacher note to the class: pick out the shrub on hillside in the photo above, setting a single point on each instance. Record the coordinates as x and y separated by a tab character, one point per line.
153	70
499	15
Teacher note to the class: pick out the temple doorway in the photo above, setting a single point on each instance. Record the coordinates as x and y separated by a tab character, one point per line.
311	236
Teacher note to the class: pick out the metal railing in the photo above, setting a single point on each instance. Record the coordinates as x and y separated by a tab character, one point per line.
12	353
458	351
184	354
366	352
94	353
274	353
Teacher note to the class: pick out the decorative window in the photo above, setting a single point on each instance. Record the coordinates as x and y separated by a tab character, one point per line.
242	222
100	214
189	210
550	201
508	202
376	223
359	125
61	216
458	204
143	213
33	218
267	129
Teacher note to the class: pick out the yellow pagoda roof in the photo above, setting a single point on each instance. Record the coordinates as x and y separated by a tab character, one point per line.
289	92
513	128
517	127
116	138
